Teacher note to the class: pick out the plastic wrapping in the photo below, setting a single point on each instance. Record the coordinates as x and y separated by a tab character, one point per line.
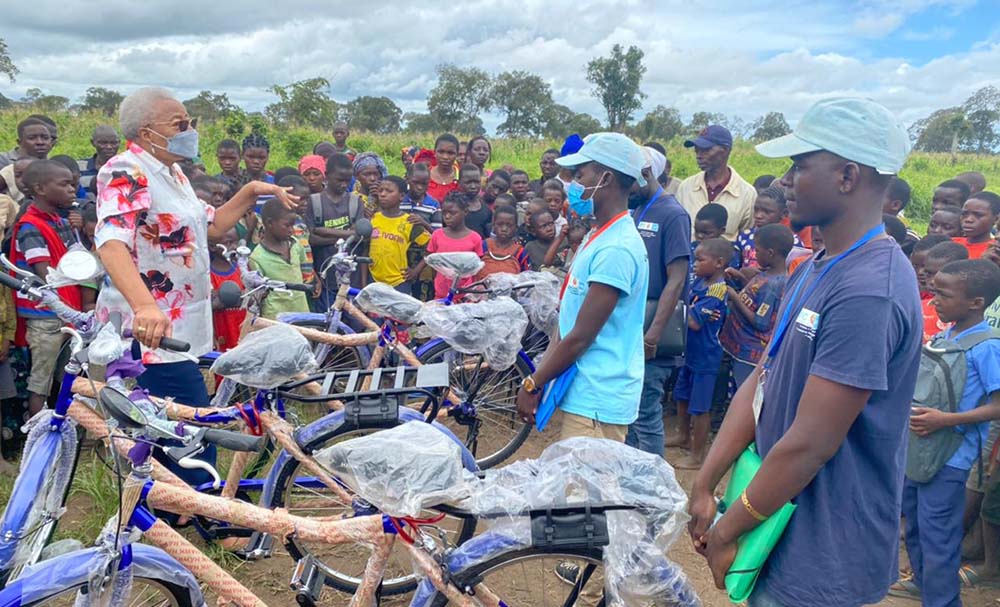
541	301
381	299
493	328
637	572
455	264
401	470
148	562
52	507
107	347
267	358
62	275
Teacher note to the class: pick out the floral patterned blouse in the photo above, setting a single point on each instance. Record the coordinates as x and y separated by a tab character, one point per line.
153	210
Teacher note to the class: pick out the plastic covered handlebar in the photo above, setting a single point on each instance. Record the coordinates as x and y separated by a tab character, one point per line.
291	286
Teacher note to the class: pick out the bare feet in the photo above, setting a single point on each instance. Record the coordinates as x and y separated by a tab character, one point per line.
679	440
689	463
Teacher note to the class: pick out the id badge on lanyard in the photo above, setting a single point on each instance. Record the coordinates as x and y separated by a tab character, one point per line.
795	303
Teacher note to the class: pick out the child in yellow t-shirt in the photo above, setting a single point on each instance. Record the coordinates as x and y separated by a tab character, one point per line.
393	231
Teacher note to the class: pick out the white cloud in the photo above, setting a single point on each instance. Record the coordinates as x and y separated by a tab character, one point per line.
742	58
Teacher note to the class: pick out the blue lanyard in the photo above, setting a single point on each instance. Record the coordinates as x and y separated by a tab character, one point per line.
786	317
656	196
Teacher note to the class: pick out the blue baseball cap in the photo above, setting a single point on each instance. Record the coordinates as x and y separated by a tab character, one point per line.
710	136
613	150
859	130
572	145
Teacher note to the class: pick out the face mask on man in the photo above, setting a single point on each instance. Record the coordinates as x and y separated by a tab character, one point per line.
575	192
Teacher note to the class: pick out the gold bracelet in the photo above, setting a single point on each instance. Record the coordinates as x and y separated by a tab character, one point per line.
753	511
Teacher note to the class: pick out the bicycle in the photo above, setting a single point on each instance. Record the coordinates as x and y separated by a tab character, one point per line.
148	485
481	406
28	526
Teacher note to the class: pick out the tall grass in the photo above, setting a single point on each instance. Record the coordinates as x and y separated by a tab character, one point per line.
923	171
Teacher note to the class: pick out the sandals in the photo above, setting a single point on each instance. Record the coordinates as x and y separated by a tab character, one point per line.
971	577
905	588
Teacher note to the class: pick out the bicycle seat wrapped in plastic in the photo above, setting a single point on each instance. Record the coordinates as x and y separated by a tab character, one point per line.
382	300
492	328
267	358
541	301
590	470
401	470
455	264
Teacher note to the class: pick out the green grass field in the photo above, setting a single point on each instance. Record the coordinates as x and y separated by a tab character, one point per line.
922	171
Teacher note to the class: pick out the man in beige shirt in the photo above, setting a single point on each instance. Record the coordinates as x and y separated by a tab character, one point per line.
717	182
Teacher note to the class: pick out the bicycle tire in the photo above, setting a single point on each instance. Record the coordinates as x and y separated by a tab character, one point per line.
494	416
345	582
178	596
479	572
44	536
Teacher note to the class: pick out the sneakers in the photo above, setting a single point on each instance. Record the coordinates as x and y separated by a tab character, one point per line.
568	572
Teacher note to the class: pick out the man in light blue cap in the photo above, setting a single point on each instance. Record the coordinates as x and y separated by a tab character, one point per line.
602	302
595	366
829	405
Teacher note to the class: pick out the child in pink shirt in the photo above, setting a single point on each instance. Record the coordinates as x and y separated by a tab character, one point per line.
454	237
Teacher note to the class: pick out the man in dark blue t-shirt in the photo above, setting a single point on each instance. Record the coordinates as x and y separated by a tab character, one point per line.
665	228
829	406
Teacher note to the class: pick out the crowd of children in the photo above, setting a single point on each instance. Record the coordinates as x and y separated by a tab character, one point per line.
449	201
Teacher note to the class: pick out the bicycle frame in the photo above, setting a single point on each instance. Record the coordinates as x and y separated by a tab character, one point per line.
376	531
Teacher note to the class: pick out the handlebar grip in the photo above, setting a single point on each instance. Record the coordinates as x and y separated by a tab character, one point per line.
175	345
291	286
234	441
367	260
10	282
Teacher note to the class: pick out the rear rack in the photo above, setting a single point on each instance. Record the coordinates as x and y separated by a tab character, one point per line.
400	381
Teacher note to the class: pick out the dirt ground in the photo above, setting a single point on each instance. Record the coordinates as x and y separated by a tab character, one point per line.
269	577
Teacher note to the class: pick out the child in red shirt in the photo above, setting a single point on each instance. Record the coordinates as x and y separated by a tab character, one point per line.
227	321
979	215
938	257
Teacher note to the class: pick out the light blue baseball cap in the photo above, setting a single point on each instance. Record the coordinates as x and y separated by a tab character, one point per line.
859	130
613	150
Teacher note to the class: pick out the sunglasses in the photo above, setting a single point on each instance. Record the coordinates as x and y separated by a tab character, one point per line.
180	125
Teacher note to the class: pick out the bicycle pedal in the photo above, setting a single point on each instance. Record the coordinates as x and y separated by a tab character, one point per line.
259	546
307	582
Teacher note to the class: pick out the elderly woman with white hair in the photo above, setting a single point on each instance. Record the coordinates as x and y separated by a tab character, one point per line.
153	236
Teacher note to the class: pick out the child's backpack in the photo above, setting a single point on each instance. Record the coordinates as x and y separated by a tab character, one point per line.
353	205
940	384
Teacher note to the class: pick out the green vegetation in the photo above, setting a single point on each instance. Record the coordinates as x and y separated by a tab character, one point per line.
923	171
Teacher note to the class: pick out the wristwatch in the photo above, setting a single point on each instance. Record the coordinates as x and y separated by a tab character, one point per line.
529	385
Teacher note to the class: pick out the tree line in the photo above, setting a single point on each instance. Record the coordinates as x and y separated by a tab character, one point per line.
524	100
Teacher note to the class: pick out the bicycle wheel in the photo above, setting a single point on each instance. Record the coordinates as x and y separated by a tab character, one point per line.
495	431
527	577
146	592
344	564
36	524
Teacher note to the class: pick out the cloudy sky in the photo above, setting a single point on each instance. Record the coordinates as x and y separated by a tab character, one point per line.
739	57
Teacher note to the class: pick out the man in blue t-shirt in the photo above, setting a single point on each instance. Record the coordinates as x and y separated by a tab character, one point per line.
598	352
829	405
665	228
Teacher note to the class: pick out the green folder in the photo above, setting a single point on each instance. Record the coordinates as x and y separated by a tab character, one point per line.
756	546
